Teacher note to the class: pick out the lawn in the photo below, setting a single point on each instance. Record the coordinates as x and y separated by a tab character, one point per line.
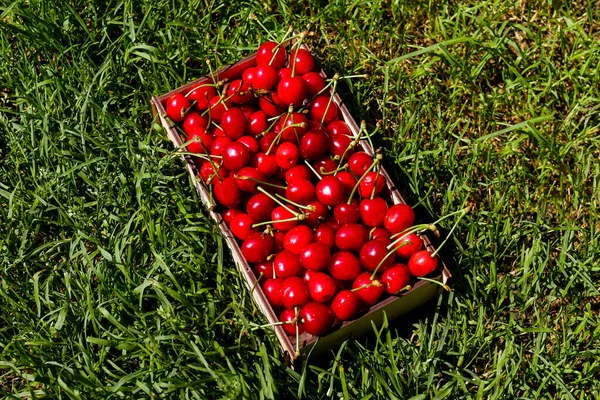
114	282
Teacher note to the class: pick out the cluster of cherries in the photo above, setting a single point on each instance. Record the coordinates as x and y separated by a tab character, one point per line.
305	202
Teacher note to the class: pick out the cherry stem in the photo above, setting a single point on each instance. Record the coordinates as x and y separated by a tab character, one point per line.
404	289
350	146
210	70
308	208
297	312
329	102
278	45
443	285
312	169
296	46
385	258
415	228
249	178
298	217
276	200
375	162
335	171
462	212
375	186
329	83
351	77
374	282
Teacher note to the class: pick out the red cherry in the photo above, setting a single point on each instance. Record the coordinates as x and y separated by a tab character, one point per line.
217	107
271	54
291	90
239	92
297	238
395	278
369	291
192	121
382	235
421	263
373	211
344	266
359	162
279	237
348	180
289	315
270	104
339	146
250	143
325	234
317	317
235	156
307	275
293	126
315	256
317	214
314	83
346	213
272	290
294	292
345	305
287	264
177	106
266	164
259	207
321	287
370	181
412	243
218	145
284	73
257	122
300	191
207	172
202	95
298	171
227	193
248	109
280	213
313	145
263	270
248	75
330	190
257	247
323	110
398	218
339	128
286	155
325	164
351	237
265	77
301	61
203	140
233	123
230	214
241	227
267	142
246	179
372	253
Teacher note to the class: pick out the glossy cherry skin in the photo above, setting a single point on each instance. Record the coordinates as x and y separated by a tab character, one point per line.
293	126
398	218
321	287
202	95
199	140
241	227
330	190
194	120
381	234
421	263
412	243
218	145
340	145
233	123
299	171
369	291
257	247
372	184
317	317
294	292
270	54
344	266
287	264
247	178
284	73
265	77
239	92
272	290
302	62
315	256
317	214
263	270
291	90
250	143
339	127
259	207
346	213
257	122
348	180
297	238
207	172
249	74
325	164
217	108
300	191
313	82
351	237
279	237
266	164
323	110
395	278
372	253
177	106
325	234
373	211
230	214
359	163
227	193
345	305
286	155
289	315
280	213
313	145
270	104
235	156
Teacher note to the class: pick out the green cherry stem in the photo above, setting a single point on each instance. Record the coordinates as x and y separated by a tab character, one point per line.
443	285
276	200
385	258
378	158
307	208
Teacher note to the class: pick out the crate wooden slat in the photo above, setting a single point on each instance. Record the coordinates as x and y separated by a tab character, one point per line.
392	306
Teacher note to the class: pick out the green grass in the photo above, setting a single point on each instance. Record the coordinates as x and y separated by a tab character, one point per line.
115	284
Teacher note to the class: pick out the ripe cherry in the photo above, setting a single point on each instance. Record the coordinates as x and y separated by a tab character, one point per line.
218	145
294	292
266	164
398	218
373	211
265	77
346	213
373	253
344	266
257	122
291	90
351	237
345	305
339	127
286	155
233	123
247	178
259	207
314	83
317	317
272	290
330	190
230	214
348	180
270	104
203	140
381	234
371	180
421	263
325	234
317	214
412	243
202	95
192	121
177	107
323	110
325	164
297	238
241	227
239	92
313	145
292	127
227	193
315	256
298	171
300	191
289	316
250	143
283	220
395	278
217	107
257	247
263	270
367	289
270	53
302	61
235	156
287	264
340	146
321	287
359	162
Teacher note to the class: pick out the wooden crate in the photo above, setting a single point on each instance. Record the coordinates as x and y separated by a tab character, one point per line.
392	306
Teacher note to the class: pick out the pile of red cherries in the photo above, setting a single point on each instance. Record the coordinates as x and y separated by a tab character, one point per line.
308	205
